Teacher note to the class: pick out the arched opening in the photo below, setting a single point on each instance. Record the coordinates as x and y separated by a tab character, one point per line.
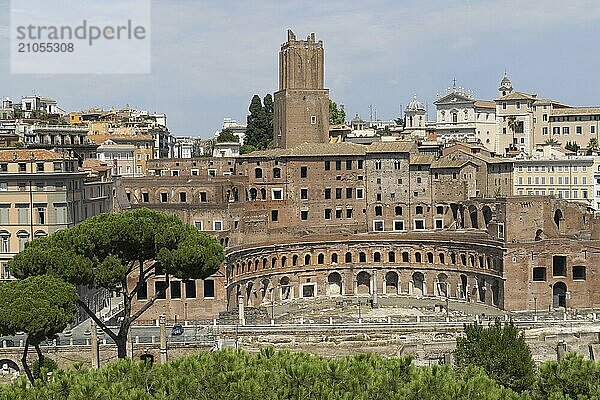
442	285
9	365
258	173
285	287
418	284
558	217
391	257
391	283
334	258
273	262
463	287
253	194
362	257
539	235
294	260
377	257
321	258
283	261
481	290
348	257
487	215
442	258
263	194
496	293
418	257
264	290
264	263
430	258
249	286
363	283
473	216
307	259
405	257
334	284
559	295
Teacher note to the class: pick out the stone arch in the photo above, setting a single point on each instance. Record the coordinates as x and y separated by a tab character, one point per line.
256	262
391	283
285	288
264	263
430	257
307	259
558	217
334	284
418	280
442	288
274	262
363	283
10	364
249	287
442	258
463	286
487	215
496	293
283	261
265	287
321	258
473	216
348	257
559	295
453	258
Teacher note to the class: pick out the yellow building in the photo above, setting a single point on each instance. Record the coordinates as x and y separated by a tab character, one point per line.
556	172
42	191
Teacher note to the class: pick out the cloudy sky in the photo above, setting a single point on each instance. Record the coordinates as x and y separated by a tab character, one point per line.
210	57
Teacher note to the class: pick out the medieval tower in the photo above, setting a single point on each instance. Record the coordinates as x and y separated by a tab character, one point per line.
301	109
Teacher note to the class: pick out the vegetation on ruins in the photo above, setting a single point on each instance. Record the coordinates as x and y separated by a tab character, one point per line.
121	252
287	375
572	146
40	306
337	116
500	350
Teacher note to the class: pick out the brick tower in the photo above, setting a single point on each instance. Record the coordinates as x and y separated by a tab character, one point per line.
301	109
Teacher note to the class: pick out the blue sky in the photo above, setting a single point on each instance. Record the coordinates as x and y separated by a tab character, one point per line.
209	57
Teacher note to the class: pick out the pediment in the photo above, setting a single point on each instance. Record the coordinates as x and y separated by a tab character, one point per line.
453	98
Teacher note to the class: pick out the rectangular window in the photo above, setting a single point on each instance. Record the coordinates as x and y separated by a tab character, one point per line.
360	164
327	165
559	265
313	119
198	225
303	172
175	289
398	225
328	213
348	193
378	226
209	289
145	197
304	194
348	165
419	224
277	194
338	193
41	214
22	167
348	213
190	289
304	215
360	193
338	165
160	289
539	274
328	193
439	224
142	293
218	225
274	215
203	197
182	197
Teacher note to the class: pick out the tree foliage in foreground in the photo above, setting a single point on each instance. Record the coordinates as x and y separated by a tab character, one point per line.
40	306
121	252
500	350
269	375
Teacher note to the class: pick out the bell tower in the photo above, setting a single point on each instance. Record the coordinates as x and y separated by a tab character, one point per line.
301	109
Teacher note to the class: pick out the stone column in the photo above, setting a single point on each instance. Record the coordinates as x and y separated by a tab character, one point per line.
95	348
162	321
241	316
375	300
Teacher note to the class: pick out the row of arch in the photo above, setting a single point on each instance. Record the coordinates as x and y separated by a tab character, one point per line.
469	260
281	288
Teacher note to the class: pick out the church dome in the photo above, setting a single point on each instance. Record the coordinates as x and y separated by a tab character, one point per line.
505	82
415	105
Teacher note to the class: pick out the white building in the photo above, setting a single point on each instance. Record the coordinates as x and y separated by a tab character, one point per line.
120	157
226	149
184	147
461	117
